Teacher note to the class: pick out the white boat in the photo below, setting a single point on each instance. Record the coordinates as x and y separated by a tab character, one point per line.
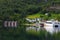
52	26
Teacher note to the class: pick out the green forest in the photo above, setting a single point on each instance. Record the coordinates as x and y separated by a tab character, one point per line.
18	10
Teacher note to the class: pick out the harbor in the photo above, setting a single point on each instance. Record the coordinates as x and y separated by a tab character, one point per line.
51	26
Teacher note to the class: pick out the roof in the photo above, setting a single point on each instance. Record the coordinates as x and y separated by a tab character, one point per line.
53	6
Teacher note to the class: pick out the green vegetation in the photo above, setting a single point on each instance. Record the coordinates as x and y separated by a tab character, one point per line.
33	16
19	10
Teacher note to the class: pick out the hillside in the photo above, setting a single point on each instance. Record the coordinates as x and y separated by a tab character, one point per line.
19	10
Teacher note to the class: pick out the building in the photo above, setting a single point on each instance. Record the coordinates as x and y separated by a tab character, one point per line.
10	23
54	6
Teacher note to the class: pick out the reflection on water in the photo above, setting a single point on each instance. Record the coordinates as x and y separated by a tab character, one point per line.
50	30
32	28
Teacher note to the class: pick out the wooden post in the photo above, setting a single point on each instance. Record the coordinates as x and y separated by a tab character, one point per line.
5	23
